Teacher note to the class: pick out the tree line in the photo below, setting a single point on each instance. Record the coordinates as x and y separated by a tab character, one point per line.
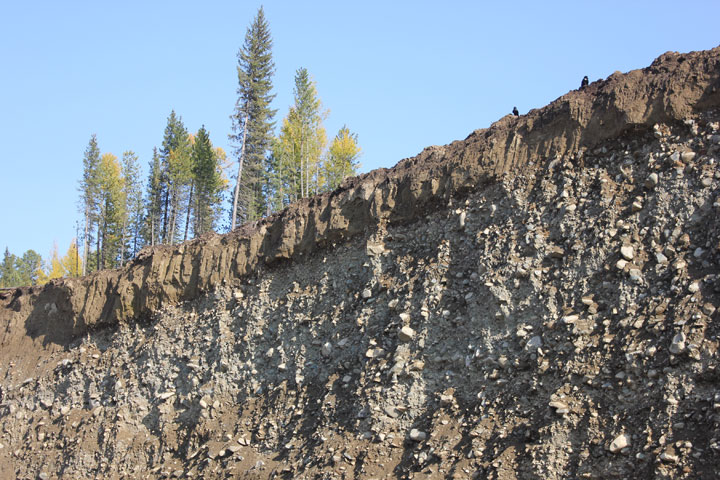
187	187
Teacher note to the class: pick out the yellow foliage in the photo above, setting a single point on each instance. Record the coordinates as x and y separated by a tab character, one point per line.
54	269
71	262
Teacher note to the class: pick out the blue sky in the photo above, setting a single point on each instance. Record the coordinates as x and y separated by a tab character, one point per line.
403	75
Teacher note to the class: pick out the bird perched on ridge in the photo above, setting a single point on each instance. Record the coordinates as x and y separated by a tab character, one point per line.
515	111
584	82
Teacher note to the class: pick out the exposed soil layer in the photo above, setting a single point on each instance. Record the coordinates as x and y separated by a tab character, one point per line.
539	300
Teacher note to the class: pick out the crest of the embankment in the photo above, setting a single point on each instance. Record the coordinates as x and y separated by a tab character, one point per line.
670	90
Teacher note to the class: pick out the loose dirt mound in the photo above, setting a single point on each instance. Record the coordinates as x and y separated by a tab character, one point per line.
536	301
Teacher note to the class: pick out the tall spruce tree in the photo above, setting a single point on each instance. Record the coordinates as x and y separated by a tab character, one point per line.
29	266
89	194
208	183
131	232
252	120
153	201
9	276
176	176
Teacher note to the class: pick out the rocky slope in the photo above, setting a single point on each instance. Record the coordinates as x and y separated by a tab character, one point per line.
538	300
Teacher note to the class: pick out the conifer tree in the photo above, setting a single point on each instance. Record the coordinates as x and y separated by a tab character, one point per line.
28	267
252	120
154	201
9	276
176	176
131	231
88	194
208	183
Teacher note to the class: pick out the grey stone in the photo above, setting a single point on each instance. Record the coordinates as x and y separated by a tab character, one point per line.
687	156
534	343
651	181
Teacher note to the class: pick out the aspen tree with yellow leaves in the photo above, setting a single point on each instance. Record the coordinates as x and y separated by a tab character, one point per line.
342	158
71	262
53	270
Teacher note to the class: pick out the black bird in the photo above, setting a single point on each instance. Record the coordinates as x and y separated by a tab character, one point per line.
584	82
515	111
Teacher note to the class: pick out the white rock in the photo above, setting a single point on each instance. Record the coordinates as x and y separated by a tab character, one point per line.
661	259
326	349
166	395
678	343
374	249
627	252
560	407
620	442
668	457
417	435
367	293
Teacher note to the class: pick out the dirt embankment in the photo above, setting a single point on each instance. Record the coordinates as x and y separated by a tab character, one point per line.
539	300
670	90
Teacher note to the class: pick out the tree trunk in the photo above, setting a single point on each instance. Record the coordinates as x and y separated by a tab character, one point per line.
165	215
187	218
97	250
85	243
239	176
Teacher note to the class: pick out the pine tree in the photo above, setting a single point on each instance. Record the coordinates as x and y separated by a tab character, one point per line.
176	176
9	276
88	194
28	267
131	234
154	201
208	182
342	158
252	120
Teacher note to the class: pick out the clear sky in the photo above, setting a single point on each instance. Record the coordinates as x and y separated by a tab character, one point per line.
403	75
